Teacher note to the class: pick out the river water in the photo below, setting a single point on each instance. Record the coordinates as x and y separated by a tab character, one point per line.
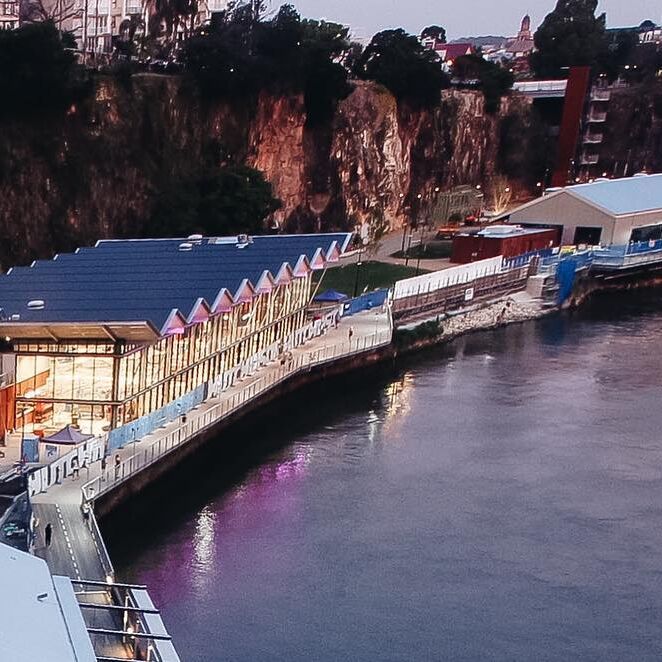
497	499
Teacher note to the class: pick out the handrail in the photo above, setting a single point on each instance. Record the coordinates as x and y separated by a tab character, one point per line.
196	423
102	552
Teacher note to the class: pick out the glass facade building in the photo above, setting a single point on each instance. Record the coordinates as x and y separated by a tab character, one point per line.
137	367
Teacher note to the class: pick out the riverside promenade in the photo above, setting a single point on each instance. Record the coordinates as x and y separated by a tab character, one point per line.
77	548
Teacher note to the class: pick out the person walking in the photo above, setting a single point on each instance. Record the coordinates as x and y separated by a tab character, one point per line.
48	534
75	469
103	467
350	333
118	461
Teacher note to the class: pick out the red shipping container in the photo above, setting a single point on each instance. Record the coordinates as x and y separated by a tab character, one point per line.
508	241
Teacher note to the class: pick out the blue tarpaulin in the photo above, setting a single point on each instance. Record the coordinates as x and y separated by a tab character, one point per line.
331	296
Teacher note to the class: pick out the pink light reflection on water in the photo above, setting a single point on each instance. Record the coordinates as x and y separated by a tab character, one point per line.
266	495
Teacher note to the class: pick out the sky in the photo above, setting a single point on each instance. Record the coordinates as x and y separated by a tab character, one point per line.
461	18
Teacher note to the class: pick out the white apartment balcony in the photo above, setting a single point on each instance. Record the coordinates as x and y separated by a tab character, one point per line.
97	8
134	8
597	116
591	138
598	94
216	5
590	159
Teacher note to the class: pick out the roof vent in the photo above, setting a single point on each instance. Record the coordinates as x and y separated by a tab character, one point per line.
640	174
243	240
36	304
185	246
195	237
603	179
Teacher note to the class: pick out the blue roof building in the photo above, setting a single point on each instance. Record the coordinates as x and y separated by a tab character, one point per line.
137	289
129	334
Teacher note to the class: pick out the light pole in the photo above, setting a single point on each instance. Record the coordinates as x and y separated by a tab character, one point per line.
420	251
358	266
408	248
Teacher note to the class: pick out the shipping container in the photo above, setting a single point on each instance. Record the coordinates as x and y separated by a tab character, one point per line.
508	241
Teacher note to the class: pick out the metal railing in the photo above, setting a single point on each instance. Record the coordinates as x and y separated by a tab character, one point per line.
196	422
97	538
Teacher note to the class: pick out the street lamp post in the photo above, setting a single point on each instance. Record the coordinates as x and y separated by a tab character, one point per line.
358	266
420	251
408	248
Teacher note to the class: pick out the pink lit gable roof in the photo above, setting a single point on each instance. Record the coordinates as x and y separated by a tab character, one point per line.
452	51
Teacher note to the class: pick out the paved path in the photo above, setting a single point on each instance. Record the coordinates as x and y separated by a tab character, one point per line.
72	551
392	243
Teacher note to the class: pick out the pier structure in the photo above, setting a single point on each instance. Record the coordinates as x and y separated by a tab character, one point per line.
125	357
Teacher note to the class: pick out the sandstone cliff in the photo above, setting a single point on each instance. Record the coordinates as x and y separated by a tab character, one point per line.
95	172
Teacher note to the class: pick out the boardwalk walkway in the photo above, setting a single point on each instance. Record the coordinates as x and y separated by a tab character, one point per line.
75	549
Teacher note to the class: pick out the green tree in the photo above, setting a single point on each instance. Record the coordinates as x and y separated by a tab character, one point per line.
571	35
435	32
217	201
238	57
494	80
620	47
398	61
36	70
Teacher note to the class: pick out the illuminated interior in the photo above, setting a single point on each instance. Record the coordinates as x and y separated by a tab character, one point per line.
101	385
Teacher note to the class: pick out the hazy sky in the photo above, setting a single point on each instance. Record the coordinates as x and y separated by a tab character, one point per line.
459	17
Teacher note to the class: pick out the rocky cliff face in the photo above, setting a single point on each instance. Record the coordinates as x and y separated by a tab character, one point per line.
633	131
94	172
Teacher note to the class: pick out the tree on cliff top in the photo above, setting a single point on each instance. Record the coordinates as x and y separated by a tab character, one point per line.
36	72
239	56
402	64
435	32
494	80
571	35
215	201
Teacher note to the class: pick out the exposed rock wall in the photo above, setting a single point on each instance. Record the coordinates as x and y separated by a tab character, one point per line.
95	171
633	131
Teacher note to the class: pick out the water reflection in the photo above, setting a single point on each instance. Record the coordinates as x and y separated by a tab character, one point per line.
499	499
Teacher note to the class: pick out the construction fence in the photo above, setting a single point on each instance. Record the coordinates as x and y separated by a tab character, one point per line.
457	287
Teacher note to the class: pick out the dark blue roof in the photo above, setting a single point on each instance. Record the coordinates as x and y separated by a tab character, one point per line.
145	280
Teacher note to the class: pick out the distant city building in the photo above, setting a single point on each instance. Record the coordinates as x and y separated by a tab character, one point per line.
521	45
9	14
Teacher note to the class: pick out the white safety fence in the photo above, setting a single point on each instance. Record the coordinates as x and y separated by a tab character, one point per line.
438	280
198	421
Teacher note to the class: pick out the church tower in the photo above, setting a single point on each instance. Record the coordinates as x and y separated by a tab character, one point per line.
525	28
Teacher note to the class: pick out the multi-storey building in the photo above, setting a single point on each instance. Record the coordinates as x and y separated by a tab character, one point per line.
9	14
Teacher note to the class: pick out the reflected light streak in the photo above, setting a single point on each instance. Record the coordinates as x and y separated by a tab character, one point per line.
397	401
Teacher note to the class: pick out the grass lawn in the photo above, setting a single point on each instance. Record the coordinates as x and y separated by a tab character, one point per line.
372	275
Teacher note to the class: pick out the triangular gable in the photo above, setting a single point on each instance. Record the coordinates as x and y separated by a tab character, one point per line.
245	292
266	283
285	274
333	254
223	302
302	268
199	313
175	324
318	262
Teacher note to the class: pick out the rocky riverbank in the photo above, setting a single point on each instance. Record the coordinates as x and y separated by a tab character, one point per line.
508	309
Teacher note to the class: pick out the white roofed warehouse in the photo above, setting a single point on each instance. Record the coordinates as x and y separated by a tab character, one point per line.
606	212
124	336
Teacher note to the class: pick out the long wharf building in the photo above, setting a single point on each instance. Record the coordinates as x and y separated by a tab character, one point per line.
122	337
